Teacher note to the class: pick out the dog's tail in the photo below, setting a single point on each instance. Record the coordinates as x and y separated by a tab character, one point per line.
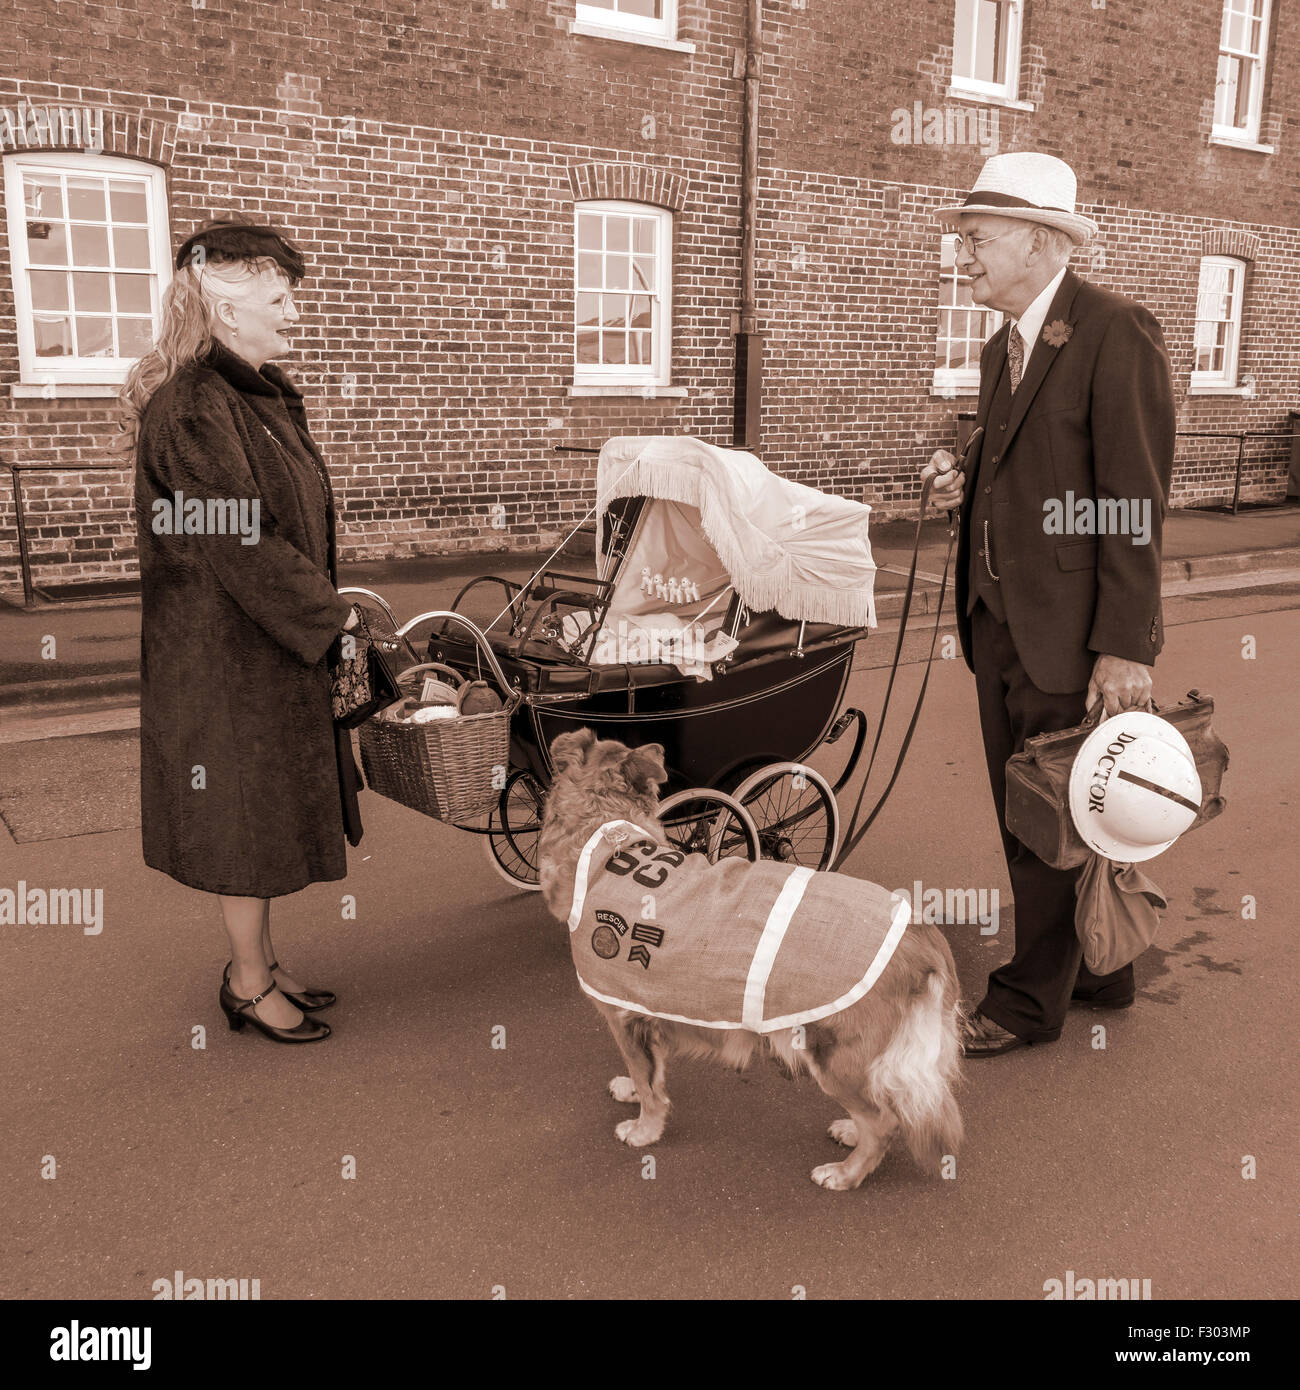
914	1076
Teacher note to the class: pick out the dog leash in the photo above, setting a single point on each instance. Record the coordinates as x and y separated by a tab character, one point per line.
854	834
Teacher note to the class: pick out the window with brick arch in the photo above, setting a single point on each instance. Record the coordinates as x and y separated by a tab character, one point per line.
89	241
986	47
656	18
1217	338
622	325
964	328
1243	55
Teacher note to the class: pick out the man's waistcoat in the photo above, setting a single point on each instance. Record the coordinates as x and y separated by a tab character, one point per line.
981	583
760	946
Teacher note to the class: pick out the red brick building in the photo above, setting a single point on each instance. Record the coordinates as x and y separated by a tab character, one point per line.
525	220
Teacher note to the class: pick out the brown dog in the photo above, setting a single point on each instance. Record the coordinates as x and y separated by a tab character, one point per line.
890	1057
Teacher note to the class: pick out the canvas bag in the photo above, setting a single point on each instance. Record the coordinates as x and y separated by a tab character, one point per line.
1038	781
1116	912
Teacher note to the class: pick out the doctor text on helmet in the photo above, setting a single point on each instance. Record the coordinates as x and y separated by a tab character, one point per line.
1101	773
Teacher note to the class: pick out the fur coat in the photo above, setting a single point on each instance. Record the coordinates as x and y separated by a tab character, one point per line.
246	789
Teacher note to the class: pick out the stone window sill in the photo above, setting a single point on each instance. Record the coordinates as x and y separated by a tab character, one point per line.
1232	143
648	393
63	390
971	94
1244	391
601	31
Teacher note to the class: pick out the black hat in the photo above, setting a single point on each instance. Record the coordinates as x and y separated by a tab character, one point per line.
243	241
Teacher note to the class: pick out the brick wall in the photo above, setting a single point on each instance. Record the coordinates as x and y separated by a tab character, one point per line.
427	156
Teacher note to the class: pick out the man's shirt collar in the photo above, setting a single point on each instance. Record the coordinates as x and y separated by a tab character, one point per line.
1030	323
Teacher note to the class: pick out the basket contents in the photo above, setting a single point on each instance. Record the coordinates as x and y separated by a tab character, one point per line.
442	750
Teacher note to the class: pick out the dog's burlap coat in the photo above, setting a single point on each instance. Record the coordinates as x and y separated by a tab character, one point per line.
759	946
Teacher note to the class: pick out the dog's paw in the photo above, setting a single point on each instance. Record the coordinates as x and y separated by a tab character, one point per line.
623	1089
638	1134
835	1176
844	1132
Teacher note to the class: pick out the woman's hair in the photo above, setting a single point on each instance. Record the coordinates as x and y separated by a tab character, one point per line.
211	274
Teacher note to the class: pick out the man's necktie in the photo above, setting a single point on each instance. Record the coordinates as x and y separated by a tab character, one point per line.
1015	357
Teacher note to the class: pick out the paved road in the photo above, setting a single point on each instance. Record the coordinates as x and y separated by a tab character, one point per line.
479	1166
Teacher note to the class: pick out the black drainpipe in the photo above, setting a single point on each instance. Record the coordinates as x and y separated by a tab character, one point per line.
748	393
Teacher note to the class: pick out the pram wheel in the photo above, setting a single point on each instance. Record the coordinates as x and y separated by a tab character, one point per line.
702	821
514	828
795	812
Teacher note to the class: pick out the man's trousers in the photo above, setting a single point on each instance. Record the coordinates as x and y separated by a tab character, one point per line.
1031	993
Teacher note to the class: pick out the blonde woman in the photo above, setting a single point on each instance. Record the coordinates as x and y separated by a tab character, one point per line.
247	790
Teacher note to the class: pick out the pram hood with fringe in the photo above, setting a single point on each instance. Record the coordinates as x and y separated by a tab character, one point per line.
788	548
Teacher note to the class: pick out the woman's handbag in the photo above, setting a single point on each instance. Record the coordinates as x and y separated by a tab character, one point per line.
361	679
1038	781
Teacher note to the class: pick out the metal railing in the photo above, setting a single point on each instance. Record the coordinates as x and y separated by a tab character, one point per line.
20	516
1241	436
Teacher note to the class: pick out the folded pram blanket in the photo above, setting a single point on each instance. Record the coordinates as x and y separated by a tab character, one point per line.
759	946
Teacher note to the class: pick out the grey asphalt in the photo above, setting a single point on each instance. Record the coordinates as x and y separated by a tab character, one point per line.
480	1168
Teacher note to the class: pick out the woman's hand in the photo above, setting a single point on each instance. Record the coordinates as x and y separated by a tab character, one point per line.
353	619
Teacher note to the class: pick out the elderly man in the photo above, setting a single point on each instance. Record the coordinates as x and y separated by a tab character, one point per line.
1058	599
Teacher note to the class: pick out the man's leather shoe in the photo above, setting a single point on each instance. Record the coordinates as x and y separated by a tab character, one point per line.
1101	1001
984	1038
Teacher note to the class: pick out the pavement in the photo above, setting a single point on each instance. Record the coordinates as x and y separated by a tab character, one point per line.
454	1138
58	657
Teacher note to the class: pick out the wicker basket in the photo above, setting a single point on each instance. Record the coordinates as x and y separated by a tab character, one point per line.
447	768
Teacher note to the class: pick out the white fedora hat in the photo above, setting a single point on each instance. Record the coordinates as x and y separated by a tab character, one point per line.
1032	187
1134	788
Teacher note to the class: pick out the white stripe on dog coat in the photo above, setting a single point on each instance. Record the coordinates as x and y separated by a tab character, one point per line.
735	944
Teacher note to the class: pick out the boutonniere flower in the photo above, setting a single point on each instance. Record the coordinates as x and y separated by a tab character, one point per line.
1057	333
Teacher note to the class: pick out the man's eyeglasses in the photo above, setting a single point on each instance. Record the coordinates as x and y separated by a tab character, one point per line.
972	244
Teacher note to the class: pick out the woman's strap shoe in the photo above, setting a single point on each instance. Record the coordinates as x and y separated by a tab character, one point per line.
308	1000
240	1011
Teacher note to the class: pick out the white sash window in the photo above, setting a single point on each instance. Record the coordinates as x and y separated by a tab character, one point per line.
622	325
986	48
1243	54
654	19
1218	322
91	258
964	328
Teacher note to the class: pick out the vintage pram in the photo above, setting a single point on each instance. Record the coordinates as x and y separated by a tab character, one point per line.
721	622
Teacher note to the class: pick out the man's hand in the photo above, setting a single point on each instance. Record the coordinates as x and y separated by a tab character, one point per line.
948	485
1121	684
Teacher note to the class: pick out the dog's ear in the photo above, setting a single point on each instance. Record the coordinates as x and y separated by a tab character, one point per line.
644	767
571	748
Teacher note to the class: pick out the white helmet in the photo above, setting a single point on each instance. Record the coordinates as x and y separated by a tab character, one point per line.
1134	788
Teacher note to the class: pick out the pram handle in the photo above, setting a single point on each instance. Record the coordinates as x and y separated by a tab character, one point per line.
370	593
482	642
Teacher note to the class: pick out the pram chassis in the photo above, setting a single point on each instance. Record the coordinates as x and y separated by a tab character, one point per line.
754	801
